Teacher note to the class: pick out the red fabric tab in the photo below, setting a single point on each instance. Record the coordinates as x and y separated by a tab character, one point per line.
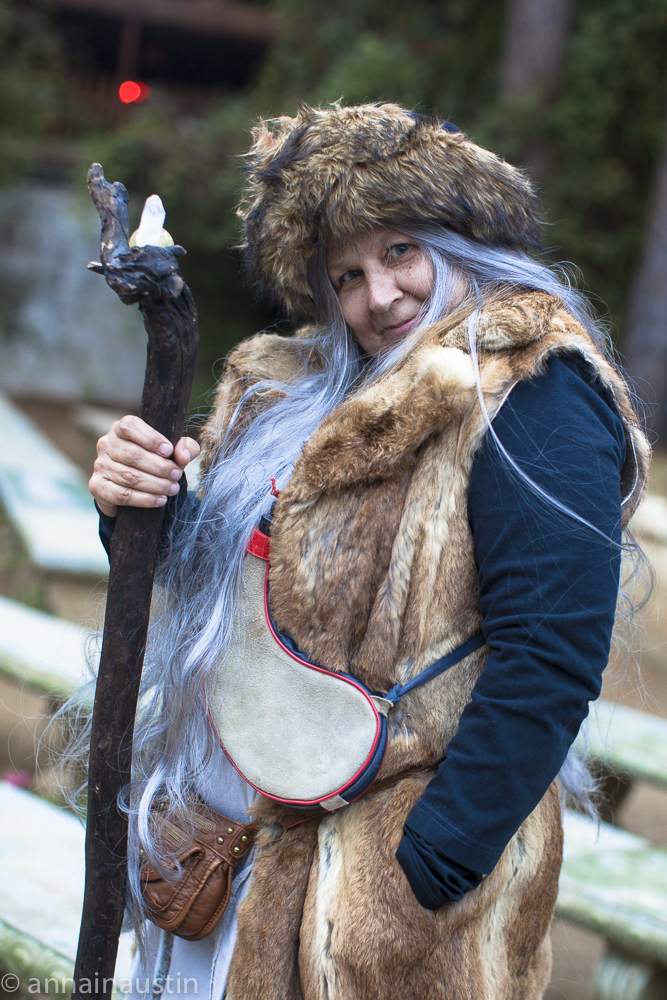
259	545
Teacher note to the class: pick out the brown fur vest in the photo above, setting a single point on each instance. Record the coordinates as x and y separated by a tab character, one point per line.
372	572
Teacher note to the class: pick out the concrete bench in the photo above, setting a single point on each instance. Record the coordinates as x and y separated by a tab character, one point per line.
650	521
624	746
46	498
629	743
41	894
615	884
42	662
40	650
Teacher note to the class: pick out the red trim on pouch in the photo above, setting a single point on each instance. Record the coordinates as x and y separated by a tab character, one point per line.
259	545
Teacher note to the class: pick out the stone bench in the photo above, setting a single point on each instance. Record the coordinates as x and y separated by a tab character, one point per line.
47	500
615	884
41	651
629	743
624	746
41	894
42	662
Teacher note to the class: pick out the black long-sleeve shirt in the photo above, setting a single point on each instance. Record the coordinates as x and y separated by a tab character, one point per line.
547	590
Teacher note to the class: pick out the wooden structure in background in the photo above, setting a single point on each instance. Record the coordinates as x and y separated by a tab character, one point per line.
233	19
181	45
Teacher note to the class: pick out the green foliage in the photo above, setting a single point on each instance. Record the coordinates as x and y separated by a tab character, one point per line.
29	63
606	133
425	53
34	100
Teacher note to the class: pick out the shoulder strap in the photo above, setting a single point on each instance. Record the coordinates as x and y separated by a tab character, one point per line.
437	668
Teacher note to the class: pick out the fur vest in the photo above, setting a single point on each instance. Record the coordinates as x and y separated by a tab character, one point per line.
373	573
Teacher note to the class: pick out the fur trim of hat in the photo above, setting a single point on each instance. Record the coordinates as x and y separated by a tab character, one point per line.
329	173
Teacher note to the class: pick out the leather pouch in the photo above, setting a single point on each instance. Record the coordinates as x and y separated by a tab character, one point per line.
192	906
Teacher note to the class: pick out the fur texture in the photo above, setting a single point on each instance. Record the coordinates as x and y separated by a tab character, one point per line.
373	573
330	172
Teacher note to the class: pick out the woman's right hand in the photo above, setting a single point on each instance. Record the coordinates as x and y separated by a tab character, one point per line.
137	467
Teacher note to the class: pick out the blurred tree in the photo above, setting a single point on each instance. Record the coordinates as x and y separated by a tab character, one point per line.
535	45
536	35
605	132
645	340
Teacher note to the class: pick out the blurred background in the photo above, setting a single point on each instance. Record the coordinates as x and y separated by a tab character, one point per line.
164	93
575	90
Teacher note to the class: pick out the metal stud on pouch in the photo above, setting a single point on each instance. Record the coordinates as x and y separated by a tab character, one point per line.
237	850
221	840
230	829
244	839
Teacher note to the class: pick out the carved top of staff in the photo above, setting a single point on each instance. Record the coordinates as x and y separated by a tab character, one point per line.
134	273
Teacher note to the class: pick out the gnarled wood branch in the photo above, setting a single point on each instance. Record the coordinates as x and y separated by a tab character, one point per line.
149	276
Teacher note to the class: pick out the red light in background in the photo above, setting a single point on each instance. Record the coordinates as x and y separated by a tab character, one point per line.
132	92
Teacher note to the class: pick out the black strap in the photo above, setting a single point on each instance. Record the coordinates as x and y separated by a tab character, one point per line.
437	668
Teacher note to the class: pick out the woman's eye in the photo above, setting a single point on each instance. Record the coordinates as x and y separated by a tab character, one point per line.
351	275
399	249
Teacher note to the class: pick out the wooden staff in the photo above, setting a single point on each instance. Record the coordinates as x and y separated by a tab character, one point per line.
149	276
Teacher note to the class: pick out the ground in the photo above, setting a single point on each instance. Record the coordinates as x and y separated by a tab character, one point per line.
638	681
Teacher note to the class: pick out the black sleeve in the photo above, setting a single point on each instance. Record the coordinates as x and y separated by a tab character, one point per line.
175	505
547	590
106	529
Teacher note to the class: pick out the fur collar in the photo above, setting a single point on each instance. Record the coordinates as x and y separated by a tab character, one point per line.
373	433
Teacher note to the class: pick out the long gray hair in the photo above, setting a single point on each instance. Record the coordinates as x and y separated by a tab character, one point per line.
198	581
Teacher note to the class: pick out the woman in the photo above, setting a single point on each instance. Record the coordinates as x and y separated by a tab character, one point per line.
453	451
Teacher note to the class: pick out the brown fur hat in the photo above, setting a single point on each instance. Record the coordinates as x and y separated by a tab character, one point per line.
331	172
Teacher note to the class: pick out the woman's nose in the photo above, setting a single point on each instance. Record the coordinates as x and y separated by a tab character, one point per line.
382	290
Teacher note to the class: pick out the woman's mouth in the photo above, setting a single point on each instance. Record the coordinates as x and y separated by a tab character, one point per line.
401	328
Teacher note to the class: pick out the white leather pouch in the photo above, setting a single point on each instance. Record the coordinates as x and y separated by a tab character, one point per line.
296	732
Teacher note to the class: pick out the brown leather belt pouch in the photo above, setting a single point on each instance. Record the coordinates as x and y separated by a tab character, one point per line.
192	906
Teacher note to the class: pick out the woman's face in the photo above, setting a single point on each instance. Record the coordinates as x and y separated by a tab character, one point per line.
382	281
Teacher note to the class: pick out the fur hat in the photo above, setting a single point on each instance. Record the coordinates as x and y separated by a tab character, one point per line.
331	172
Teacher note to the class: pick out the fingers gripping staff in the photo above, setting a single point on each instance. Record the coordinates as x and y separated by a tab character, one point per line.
147	275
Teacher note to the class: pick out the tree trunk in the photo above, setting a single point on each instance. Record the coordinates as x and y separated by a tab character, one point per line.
536	35
535	40
645	341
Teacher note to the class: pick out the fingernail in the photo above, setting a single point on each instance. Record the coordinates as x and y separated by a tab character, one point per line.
173	489
188	456
165	449
176	474
161	501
